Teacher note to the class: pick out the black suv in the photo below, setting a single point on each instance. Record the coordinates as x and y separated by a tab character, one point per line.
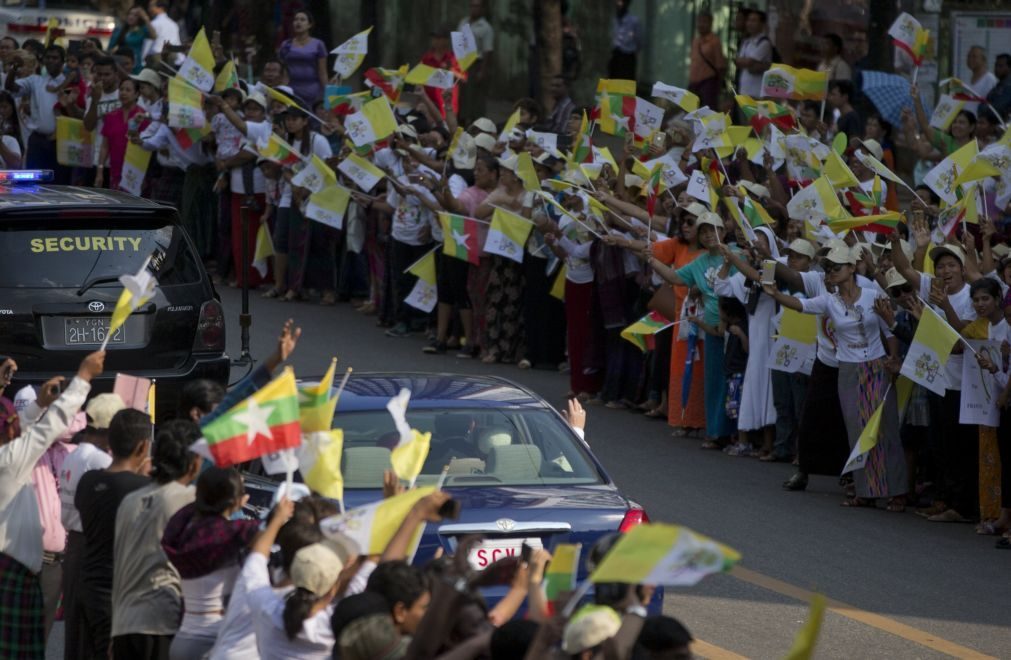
62	250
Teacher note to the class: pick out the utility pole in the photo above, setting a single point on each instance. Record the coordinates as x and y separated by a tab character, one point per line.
550	50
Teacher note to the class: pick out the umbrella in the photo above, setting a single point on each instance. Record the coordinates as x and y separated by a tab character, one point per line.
686	379
889	93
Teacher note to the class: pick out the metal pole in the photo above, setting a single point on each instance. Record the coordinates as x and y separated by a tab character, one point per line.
245	318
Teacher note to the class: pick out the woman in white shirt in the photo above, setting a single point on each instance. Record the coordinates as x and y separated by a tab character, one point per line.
864	377
11	153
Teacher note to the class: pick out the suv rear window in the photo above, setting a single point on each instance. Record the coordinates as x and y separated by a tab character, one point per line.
62	254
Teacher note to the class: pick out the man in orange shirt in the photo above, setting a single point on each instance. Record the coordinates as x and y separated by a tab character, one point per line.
708	65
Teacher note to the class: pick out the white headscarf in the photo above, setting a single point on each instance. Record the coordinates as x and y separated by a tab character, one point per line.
770	236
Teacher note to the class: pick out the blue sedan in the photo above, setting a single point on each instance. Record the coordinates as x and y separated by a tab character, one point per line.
519	471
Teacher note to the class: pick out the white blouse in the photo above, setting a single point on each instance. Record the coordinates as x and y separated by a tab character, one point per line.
858	328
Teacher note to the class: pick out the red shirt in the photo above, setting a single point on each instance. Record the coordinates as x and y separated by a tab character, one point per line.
445	61
114	130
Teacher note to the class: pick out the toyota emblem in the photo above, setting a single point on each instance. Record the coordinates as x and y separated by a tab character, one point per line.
505	524
96	306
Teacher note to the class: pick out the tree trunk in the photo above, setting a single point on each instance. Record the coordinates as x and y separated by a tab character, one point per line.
550	47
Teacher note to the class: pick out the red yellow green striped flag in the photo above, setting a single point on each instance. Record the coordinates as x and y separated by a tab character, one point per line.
883	223
756	214
266	422
560	575
646	327
460	237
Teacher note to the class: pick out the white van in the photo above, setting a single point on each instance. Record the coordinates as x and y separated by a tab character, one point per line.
28	19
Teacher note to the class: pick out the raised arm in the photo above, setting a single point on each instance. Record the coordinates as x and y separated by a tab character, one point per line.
902	264
783	299
666	272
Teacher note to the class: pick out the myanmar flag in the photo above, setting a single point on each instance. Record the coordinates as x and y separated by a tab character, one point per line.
644	328
315	407
279	151
264	423
762	113
460	236
786	82
615	112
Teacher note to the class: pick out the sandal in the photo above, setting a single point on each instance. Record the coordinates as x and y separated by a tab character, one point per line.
711	444
857	503
990	528
949	516
272	292
656	413
896	504
524	364
328	300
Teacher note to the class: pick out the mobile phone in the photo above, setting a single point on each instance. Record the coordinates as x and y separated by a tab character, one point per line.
660	139
769	271
450	510
526	552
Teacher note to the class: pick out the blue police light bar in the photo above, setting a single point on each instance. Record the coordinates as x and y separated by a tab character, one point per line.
26	176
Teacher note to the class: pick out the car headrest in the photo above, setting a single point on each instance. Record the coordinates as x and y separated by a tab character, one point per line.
493	436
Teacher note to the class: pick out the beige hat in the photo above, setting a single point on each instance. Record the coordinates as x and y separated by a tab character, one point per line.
372	637
696	209
484	141
257	98
102	409
149	76
591	626
894	278
315	568
407	131
872	146
709	218
1001	250
803	247
345	547
907	248
756	189
465	154
511	163
833	244
947	248
858	252
484	125
840	255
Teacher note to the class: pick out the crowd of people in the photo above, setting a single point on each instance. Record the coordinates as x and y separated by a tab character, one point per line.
146	550
709	237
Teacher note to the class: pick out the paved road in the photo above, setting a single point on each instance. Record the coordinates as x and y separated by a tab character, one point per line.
899	587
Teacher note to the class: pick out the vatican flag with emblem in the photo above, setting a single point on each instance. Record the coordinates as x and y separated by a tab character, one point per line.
408	457
430	76
135	164
319	460
680	97
351	54
372	526
424	295
464	47
929	352
373	122
328	206
198	68
815	202
507	235
362	172
137	290
74	145
663	555
185	104
941	178
266	422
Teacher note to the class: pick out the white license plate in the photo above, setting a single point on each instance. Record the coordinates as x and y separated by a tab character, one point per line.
491	550
80	331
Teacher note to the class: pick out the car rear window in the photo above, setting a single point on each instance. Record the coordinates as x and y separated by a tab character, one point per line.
482	447
40	254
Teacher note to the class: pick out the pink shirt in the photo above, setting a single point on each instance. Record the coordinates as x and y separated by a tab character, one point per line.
114	130
54	537
471	198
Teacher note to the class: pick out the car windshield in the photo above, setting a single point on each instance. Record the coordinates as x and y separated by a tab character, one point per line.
39	254
480	447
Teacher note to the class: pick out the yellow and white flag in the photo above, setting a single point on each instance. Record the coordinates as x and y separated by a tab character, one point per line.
75	147
198	68
945	111
929	352
815	202
351	54
362	172
838	172
408	457
135	164
558	288
264	249
424	295
328	205
511	123
876	166
807	637
227	78
372	526
941	178
868	439
429	76
137	290
793	350
319	460
314	175
679	97
464	47
507	235
373	122
663	555
185	105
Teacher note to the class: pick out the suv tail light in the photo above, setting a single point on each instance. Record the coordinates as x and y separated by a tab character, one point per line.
634	516
210	328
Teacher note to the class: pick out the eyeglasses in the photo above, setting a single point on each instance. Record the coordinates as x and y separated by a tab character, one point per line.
832	267
897	291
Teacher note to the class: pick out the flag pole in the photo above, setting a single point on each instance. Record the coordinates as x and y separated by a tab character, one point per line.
945	322
424	256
